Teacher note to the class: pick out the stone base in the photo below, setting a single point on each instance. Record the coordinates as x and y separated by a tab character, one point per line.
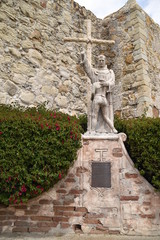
126	204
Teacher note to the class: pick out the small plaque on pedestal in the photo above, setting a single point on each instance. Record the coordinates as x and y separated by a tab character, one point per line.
101	175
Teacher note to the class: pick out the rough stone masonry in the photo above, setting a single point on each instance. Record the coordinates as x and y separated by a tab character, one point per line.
37	66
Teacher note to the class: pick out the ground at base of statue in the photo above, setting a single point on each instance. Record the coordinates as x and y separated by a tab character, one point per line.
75	237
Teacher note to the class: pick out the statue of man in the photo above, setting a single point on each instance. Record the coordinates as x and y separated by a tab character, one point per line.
103	81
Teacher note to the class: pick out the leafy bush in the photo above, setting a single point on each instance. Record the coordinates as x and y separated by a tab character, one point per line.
143	145
83	122
37	146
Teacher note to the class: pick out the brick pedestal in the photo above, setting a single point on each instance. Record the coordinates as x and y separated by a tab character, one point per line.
127	204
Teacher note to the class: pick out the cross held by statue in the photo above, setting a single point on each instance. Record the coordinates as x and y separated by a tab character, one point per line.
89	41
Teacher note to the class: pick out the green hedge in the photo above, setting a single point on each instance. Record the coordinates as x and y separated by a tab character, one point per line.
143	145
37	146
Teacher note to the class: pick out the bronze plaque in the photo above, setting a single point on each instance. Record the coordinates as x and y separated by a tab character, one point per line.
101	174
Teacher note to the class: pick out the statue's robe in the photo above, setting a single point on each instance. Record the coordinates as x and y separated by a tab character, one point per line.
97	75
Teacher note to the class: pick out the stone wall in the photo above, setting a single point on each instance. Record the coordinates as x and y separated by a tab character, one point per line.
129	206
36	64
153	56
135	60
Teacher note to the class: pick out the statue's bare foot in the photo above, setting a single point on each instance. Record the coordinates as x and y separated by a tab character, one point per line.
93	132
115	131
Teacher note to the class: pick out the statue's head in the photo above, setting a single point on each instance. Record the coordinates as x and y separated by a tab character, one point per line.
101	61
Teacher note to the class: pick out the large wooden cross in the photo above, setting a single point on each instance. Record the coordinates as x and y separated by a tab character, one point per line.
89	41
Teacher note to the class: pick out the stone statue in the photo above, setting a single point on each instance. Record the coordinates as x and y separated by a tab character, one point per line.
103	81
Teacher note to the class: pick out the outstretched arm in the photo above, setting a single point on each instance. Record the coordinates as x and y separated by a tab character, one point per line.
87	66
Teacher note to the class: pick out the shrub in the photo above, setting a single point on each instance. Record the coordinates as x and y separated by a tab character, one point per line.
37	146
143	145
83	122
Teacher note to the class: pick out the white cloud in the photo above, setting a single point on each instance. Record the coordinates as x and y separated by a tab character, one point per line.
102	8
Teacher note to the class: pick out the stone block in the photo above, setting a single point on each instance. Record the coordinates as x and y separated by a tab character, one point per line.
64	73
60	219
34	54
35	34
26	44
23	68
129	59
61	191
31	212
15	52
63	88
19	79
92	221
50	90
129	198
141	56
7	33
21	223
150	216
27	97
47	224
3	17
114	232
81	209
45	202
65	225
139	41
20	229
61	101
140	30
21	207
131	175
7	212
133	16
140	23
64	208
142	71
39	229
117	152
75	191
34	207
3	98
10	88
41	218
70	180
27	9
138	36
43	3
40	99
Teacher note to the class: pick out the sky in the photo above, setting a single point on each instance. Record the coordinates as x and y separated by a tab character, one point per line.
102	8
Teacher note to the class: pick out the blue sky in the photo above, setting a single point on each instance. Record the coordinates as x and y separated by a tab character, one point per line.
102	8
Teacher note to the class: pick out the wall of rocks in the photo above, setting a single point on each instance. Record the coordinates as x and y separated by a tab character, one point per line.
38	66
153	56
135	60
